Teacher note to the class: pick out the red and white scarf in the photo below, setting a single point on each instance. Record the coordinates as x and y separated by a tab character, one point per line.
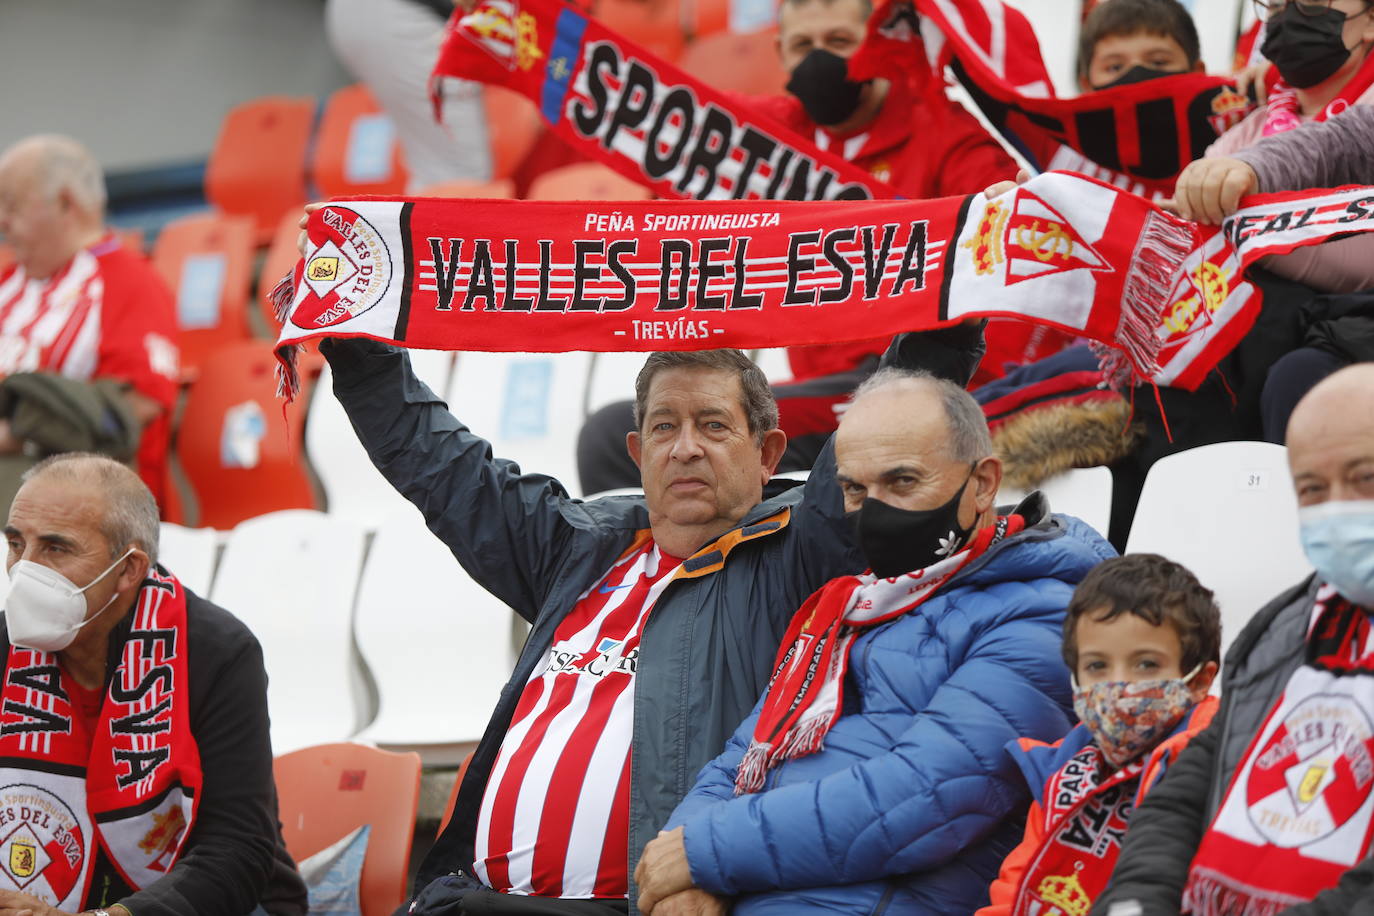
132	787
1282	112
1064	251
1061	250
1087	807
618	104
806	692
1300	811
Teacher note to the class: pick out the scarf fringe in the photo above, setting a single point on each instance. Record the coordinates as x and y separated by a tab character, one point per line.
807	738
288	371
1208	896
1159	255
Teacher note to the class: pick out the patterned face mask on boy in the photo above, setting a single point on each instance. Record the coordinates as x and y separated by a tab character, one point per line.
1128	718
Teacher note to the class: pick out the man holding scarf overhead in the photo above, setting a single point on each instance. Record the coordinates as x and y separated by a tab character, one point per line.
869	777
1271	808
135	764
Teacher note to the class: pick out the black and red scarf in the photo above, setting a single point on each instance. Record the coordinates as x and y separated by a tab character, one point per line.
1299	812
132	787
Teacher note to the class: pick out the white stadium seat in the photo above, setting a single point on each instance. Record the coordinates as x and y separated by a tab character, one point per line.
612	378
291	577
1085	493
353	488
438	645
527	405
1228	513
190	555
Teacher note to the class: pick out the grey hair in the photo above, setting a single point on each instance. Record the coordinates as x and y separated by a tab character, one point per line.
130	517
756	396
69	166
969	439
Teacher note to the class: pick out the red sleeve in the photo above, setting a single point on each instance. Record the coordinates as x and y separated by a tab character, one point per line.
969	159
137	327
1004	888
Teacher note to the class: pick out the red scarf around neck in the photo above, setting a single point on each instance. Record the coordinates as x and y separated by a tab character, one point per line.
806	693
132	787
1300	810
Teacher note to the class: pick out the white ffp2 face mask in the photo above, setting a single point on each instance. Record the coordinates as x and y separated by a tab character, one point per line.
45	609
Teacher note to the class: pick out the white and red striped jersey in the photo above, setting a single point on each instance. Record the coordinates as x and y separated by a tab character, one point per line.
105	314
555	818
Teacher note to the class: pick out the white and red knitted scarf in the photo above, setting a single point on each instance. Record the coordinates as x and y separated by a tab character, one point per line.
131	788
1300	810
806	692
1063	250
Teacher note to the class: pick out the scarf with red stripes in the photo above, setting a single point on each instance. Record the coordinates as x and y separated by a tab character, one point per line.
130	788
806	692
1299	812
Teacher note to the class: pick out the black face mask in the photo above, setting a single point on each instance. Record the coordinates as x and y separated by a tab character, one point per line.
897	541
1137	74
1305	49
821	83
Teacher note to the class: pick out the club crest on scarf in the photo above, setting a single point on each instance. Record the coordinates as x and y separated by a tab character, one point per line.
1031	238
1312	775
43	844
503	31
346	274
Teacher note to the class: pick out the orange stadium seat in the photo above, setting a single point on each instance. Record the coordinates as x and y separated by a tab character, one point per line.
281	257
327	791
257	167
586	181
500	189
240	456
737	63
453	795
707	17
356	150
513	127
654	25
207	260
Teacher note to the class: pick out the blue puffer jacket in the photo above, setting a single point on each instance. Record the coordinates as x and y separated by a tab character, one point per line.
912	804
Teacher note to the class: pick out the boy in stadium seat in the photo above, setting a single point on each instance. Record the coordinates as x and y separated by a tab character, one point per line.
1142	638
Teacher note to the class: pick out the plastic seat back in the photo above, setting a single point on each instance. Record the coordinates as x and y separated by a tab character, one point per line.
279	261
292	578
613	378
1085	493
207	261
353	487
498	189
190	554
527	405
586	181
654	25
257	168
513	128
1228	513
356	151
438	645
238	454
738	63
325	792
